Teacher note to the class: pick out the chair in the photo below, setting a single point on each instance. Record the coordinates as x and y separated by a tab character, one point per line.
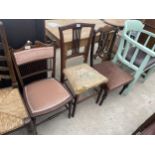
80	77
44	95
136	56
13	113
105	38
6	68
133	55
117	77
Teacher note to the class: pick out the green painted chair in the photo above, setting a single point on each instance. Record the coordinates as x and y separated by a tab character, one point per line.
136	56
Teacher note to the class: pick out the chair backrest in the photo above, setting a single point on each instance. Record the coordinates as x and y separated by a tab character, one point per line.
6	65
29	58
130	40
105	38
75	40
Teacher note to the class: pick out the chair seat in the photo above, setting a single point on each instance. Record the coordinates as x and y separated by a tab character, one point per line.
45	95
83	77
12	110
140	57
116	76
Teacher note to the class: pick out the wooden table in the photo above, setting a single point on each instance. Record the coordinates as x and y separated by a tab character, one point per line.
52	31
115	22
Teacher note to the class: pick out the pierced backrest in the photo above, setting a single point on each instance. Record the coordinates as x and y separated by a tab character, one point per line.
105	38
130	44
75	40
6	65
29	60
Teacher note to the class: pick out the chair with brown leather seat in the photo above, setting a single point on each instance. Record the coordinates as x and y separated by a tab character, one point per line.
44	95
117	77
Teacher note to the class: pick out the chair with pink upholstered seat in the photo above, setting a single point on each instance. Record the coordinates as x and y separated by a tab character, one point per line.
42	95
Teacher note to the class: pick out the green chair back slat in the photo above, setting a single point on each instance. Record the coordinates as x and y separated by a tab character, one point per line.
133	58
137	37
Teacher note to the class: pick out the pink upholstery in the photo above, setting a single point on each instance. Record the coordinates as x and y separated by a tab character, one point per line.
45	95
27	56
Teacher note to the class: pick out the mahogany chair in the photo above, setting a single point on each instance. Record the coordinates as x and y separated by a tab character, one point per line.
117	77
46	95
13	113
80	77
105	37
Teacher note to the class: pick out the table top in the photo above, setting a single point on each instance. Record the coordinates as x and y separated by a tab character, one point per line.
83	77
52	27
115	22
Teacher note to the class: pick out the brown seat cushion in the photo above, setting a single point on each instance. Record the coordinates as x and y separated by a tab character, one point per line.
140	57
45	95
116	76
150	130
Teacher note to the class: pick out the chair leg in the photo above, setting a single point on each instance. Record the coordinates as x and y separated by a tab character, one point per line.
74	105
69	109
99	94
34	125
130	86
32	128
104	96
124	87
148	73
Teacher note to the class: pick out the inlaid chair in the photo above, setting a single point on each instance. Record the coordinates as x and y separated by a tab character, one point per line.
13	113
81	77
46	95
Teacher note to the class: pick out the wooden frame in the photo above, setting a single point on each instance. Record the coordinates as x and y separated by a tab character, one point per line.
76	28
105	46
52	69
145	124
75	47
7	57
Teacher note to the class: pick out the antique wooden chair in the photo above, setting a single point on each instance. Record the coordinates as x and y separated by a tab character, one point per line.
117	77
44	95
80	77
13	113
105	38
